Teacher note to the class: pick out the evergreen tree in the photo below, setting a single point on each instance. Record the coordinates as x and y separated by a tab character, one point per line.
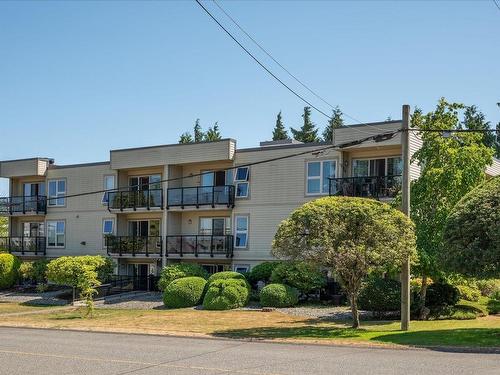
335	122
308	132
213	133
198	133
186	138
279	132
475	120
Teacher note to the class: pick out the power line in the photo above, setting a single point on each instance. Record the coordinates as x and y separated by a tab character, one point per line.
496	4
454	130
378	137
274	75
285	69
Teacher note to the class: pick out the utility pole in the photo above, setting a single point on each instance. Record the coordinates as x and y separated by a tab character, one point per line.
405	269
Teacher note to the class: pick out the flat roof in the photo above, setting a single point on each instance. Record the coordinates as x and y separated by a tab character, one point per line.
173	145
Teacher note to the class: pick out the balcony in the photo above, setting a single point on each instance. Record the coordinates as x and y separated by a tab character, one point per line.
23	205
197	196
377	187
131	246
23	245
131	200
200	245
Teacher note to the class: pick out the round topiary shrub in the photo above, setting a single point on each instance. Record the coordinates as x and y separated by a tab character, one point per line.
262	272
380	295
185	292
226	294
300	275
9	270
439	295
177	271
279	295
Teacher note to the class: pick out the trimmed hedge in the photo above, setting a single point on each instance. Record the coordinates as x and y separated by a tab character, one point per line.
262	272
300	275
380	295
279	295
178	271
440	295
9	270
226	294
226	275
184	292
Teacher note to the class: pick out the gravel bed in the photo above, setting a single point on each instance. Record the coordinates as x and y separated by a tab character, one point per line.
142	301
328	313
48	298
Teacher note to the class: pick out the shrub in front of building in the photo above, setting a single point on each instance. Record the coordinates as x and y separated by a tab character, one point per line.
184	292
305	277
9	270
226	294
177	271
262	272
380	295
226	275
279	295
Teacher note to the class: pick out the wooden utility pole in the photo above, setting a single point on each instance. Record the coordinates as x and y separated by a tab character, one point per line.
405	270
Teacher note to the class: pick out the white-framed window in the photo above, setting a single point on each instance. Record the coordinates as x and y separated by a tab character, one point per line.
386	166
108	226
241	232
56	233
318	174
57	191
241	182
241	268
109	184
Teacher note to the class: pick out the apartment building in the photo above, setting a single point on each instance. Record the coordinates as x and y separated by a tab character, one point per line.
208	203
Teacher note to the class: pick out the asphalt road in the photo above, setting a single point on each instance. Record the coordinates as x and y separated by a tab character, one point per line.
31	351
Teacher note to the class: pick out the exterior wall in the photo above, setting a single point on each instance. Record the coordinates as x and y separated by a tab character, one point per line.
494	168
23	167
356	132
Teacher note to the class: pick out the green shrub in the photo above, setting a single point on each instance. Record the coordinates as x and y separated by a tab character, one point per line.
9	270
177	271
279	295
469	293
476	308
34	271
300	275
489	287
380	295
184	292
225	275
441	296
226	294
66	270
262	272
494	305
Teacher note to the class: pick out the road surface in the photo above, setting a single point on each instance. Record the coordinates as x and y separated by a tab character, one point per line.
32	351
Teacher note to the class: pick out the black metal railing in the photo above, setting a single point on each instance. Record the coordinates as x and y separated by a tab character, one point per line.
369	187
134	199
23	245
116	284
23	204
133	245
201	196
200	245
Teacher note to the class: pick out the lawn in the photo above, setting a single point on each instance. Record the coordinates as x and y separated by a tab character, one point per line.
13	307
484	332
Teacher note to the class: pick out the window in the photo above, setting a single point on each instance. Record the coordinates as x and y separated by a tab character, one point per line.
241	268
144	228
56	233
214	268
395	166
145	182
107	226
217	226
241	231
241	182
57	191
318	175
109	184
34	188
392	166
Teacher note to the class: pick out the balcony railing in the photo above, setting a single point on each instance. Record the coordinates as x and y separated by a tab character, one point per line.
134	199
200	245
369	187
134	246
201	196
23	245
35	204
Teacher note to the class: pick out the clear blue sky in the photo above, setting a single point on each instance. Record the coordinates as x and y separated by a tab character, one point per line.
80	78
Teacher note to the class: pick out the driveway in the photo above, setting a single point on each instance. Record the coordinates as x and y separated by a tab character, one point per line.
32	351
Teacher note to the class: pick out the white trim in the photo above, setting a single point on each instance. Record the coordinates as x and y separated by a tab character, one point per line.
112	225
320	177
59	194
106	194
246	175
246	266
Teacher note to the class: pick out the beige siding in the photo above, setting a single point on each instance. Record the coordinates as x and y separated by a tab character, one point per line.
494	168
415	144
20	168
172	154
357	132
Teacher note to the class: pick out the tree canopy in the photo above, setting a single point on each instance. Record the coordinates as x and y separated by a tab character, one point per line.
4	227
335	122
279	132
472	233
351	236
308	132
212	134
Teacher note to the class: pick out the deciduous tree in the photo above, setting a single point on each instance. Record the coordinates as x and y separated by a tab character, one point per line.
351	236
